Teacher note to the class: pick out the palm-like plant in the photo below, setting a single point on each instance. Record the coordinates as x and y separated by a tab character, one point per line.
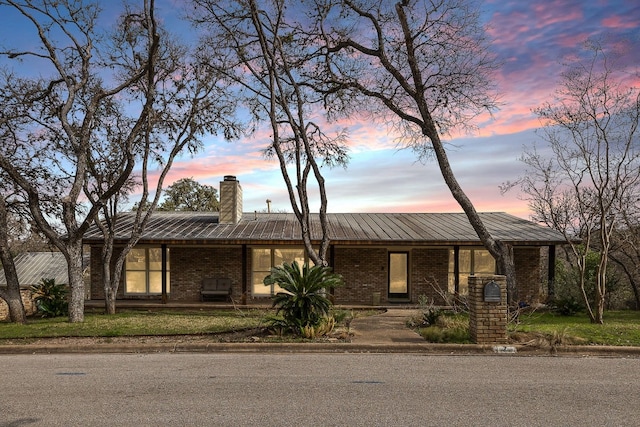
51	298
303	301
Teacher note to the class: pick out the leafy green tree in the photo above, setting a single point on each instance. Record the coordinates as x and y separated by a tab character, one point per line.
303	300
186	194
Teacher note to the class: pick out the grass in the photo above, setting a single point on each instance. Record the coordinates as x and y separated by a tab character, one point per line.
128	323
449	328
620	328
137	323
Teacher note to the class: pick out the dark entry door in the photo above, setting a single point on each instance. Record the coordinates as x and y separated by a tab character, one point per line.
398	275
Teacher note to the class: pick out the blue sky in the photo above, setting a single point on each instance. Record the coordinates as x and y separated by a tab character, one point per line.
531	37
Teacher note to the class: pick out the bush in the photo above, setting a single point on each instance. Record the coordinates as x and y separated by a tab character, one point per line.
303	302
429	313
449	336
566	306
50	298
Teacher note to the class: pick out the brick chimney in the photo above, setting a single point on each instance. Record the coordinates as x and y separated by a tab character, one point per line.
230	200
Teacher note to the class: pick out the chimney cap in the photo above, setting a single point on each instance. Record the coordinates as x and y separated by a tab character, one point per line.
229	177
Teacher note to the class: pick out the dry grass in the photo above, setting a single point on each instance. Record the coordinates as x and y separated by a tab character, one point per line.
137	323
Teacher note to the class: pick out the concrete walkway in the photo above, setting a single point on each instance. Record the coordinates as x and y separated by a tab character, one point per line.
389	327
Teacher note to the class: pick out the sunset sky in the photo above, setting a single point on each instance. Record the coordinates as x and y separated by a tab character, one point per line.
531	38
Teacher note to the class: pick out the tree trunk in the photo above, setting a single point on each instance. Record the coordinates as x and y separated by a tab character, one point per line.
109	291
13	299
507	266
17	313
12	294
76	282
109	301
601	292
502	252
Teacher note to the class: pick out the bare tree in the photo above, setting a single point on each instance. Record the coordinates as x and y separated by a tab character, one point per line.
625	249
84	80
585	185
17	233
187	103
424	68
262	49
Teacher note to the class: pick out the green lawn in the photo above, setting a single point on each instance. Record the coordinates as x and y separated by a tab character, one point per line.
619	328
131	323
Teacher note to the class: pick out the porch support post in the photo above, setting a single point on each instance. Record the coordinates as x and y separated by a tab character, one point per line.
245	287
456	270
551	272
164	274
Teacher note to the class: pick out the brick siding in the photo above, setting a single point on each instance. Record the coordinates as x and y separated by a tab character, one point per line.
429	273
365	270
188	266
528	274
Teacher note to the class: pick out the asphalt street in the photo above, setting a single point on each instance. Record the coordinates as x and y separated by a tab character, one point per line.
317	389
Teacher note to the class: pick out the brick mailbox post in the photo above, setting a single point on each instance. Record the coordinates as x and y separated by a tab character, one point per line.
488	309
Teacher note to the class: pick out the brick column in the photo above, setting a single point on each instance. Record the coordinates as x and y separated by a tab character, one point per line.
487	319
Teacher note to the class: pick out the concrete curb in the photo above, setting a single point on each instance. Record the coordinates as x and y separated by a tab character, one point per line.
426	348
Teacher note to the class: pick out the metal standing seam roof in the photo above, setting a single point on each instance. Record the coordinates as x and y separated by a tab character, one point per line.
32	267
344	228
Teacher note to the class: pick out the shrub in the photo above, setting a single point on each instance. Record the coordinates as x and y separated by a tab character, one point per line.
303	301
429	313
566	306
50	298
437	334
325	327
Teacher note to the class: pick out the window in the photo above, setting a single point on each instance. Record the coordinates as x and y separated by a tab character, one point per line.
143	271
470	261
263	259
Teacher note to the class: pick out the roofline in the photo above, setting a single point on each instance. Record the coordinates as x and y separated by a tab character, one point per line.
190	242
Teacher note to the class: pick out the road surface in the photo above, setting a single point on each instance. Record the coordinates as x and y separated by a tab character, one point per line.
269	389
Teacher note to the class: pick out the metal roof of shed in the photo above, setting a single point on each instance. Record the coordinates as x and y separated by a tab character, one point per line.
35	266
344	228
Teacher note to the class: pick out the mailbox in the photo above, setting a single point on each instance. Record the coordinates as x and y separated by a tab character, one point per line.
492	292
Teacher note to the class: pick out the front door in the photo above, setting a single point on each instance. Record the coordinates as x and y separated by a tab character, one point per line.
398	275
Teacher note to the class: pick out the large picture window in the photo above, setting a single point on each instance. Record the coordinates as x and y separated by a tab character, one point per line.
143	271
470	261
263	259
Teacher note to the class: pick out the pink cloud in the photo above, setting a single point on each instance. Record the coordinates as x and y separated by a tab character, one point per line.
619	22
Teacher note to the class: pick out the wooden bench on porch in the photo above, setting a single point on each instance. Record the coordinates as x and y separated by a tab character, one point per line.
215	288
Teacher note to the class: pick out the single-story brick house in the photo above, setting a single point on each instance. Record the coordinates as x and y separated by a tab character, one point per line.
390	258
